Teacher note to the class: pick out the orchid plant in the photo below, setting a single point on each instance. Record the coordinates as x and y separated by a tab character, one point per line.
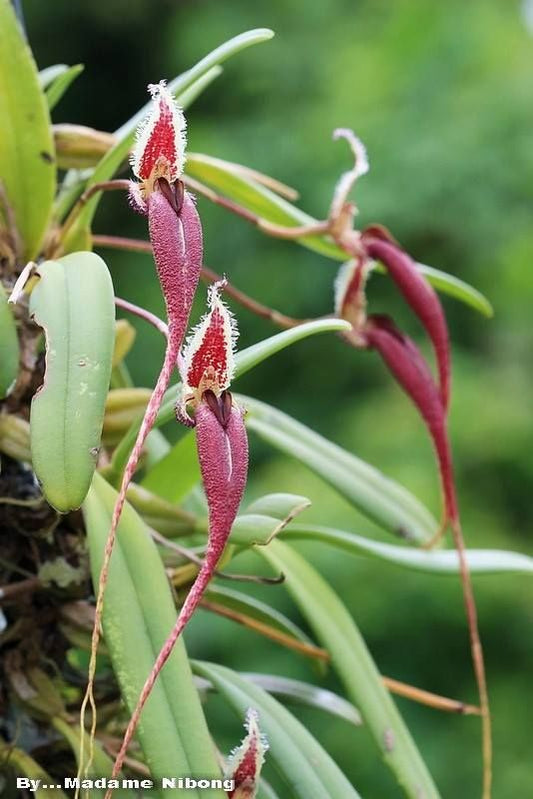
76	433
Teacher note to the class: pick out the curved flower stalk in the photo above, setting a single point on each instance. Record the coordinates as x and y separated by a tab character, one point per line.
245	762
222	444
409	368
176	236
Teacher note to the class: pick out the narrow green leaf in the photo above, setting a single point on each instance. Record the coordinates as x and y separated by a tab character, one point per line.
177	472
138	615
101	766
27	166
254	355
226	180
49	74
279	505
377	496
184	88
458	289
337	632
244	361
480	561
74	303
305	766
9	346
260	611
25	766
255	528
304	693
218	175
60	84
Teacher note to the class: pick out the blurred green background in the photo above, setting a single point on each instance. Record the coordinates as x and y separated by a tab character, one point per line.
442	95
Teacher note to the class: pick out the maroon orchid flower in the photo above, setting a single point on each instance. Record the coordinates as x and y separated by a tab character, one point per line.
176	236
245	762
222	444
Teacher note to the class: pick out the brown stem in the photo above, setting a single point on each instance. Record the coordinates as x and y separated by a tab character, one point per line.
263	311
477	657
106	185
265	629
142	313
13	590
429	699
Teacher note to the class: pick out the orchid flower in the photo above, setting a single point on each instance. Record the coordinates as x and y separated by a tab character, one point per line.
245	762
176	236
408	367
207	365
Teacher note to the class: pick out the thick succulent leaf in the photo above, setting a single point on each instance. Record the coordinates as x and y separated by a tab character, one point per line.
183	88
279	505
377	496
305	693
60	84
138	614
304	765
244	361
25	766
9	346
337	632
480	561
73	302
257	610
27	165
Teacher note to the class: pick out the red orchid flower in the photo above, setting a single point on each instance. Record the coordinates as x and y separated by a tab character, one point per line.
222	445
245	762
176	235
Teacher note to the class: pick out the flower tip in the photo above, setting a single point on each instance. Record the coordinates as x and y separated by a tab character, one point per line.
245	762
208	361
159	150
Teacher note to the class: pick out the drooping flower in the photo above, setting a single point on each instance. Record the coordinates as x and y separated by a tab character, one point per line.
222	446
245	762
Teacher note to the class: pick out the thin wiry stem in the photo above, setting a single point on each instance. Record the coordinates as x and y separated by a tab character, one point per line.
142	313
257	308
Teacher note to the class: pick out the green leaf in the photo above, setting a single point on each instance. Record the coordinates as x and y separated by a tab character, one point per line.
458	289
244	361
73	301
102	765
25	766
377	496
184	88
304	765
177	472
138	615
9	346
337	632
49	74
226	179
261	201
260	611
303	693
480	561
255	528
60	84
27	166
279	505
254	355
